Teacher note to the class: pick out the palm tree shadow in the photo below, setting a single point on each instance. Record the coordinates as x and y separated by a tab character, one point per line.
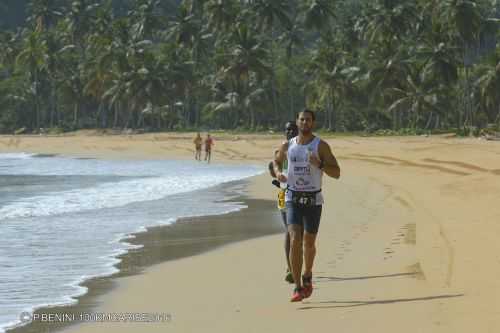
351	304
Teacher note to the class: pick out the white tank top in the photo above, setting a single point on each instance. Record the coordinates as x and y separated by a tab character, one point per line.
303	176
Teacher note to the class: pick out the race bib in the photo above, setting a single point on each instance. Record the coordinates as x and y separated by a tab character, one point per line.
304	199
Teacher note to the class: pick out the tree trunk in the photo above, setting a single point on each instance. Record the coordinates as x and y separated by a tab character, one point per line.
140	120
104	123
291	110
159	119
394	120
497	119
115	121
187	108
196	111
467	119
273	83
331	110
428	121
252	118
37	103
52	105
436	125
75	114
129	115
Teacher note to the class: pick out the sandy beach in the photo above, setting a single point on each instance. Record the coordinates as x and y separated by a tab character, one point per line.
407	242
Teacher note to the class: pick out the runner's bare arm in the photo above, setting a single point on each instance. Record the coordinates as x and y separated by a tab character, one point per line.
271	164
330	164
279	158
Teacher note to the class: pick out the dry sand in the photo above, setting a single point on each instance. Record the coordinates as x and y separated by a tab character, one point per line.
408	242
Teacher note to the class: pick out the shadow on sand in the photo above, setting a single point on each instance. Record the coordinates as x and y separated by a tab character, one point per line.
350	304
334	278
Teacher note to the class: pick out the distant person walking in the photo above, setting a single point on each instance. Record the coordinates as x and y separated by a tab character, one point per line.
308	157
291	131
198	141
209	142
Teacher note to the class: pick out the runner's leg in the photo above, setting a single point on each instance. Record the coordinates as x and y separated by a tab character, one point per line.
311	225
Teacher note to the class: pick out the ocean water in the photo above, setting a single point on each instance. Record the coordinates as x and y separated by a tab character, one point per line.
65	220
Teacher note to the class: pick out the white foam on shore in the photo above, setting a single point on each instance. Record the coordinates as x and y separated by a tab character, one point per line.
55	240
17	156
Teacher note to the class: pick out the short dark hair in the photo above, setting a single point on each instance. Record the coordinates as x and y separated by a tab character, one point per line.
290	124
304	111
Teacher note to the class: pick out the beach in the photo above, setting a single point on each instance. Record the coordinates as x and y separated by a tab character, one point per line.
407	241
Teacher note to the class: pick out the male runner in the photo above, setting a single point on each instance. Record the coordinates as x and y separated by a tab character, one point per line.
308	158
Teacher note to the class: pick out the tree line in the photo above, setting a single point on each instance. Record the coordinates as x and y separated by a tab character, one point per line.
251	64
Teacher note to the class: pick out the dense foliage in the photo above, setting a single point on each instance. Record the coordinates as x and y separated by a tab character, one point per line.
249	64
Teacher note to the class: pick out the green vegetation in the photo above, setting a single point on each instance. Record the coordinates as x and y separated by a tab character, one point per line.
378	66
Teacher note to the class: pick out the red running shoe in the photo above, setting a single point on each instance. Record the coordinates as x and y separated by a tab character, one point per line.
298	295
308	287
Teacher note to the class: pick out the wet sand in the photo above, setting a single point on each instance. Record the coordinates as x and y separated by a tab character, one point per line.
187	237
408	242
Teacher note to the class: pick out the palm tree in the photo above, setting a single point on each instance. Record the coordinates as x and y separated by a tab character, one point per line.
464	21
221	14
145	19
292	39
192	38
267	12
416	98
489	89
333	80
8	51
385	74
248	56
438	66
463	17
318	14
183	29
116	95
182	78
34	57
387	22
79	20
44	13
145	86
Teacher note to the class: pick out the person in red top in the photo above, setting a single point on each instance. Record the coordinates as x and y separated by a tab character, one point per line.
209	142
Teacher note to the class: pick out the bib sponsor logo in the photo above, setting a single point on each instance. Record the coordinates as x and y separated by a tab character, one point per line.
302	182
302	170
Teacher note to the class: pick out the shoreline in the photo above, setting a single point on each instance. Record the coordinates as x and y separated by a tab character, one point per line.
409	231
188	236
